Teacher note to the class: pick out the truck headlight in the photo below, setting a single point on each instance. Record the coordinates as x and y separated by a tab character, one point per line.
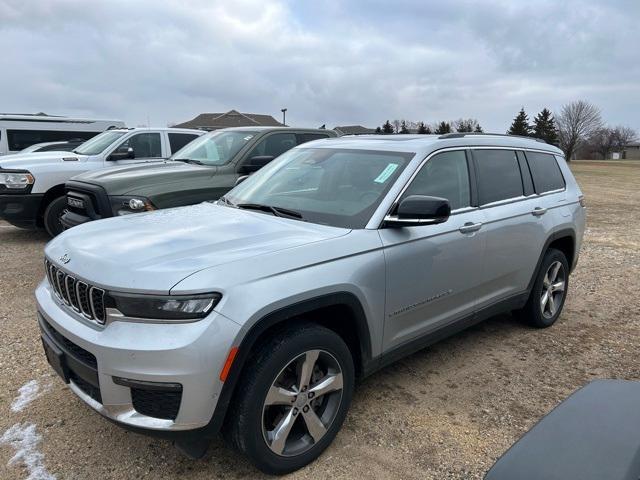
126	205
16	180
165	307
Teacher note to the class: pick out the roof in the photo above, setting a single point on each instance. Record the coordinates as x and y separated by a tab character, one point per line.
353	130
632	144
425	144
232	118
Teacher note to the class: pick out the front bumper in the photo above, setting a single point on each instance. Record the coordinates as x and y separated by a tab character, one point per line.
21	210
72	219
189	354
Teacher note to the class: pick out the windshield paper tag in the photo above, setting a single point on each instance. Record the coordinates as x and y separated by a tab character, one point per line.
386	173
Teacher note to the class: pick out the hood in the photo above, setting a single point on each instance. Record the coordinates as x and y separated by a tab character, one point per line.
132	178
153	252
21	161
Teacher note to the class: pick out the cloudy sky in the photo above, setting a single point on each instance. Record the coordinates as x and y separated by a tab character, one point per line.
336	62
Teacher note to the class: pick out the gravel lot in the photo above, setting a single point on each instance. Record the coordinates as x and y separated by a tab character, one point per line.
445	412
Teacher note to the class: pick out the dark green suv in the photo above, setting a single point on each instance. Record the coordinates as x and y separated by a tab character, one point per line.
202	170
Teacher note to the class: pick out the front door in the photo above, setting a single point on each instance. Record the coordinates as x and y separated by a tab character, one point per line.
433	271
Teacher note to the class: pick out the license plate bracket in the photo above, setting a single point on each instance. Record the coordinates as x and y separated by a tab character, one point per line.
56	358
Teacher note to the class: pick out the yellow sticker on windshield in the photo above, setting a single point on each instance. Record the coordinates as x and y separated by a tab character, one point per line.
386	173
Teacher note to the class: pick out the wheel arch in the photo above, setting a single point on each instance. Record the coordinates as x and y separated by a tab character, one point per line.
563	240
54	192
355	332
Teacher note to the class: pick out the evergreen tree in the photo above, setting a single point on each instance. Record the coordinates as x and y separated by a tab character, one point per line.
403	127
423	129
478	129
443	127
544	127
387	127
378	131
520	125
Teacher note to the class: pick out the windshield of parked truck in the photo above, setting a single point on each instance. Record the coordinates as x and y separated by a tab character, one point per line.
99	143
215	148
337	187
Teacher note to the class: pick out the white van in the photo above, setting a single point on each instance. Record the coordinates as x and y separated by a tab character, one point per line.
19	131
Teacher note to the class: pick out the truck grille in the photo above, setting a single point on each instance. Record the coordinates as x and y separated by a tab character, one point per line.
78	295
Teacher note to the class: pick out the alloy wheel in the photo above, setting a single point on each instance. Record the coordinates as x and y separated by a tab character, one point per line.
302	403
553	289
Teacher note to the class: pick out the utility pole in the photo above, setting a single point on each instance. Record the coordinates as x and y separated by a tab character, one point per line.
284	116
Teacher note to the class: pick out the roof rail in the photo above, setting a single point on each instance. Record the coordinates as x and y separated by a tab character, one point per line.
464	134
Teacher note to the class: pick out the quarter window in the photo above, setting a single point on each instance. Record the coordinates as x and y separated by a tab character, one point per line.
445	175
499	175
179	140
308	137
545	172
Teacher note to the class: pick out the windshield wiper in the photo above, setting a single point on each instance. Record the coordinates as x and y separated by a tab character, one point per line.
188	160
277	211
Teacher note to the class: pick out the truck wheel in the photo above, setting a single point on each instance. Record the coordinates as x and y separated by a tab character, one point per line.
549	291
291	402
52	214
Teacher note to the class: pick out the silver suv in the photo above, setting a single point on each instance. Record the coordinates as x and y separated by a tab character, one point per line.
256	315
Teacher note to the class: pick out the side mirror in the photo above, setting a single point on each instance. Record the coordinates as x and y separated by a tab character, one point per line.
254	164
419	210
123	154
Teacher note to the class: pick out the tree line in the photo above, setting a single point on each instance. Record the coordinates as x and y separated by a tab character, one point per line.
422	128
578	129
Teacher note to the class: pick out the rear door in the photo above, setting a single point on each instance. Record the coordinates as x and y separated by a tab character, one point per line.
433	271
513	232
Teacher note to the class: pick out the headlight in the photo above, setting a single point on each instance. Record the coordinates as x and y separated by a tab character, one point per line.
16	180
127	204
166	307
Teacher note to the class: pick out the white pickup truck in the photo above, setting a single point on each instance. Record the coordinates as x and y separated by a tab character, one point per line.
32	193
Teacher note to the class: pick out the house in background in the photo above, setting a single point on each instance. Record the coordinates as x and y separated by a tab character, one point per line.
631	151
353	130
232	118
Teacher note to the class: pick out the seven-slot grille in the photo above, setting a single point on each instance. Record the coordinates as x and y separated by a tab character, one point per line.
82	297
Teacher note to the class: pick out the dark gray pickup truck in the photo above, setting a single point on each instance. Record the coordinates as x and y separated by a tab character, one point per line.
202	170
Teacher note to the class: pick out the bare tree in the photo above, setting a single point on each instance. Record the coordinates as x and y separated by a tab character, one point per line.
623	136
466	125
602	141
396	125
577	121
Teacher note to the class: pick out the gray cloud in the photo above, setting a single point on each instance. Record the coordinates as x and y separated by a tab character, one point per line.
330	62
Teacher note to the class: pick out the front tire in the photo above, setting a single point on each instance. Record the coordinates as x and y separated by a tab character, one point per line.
292	399
549	291
52	214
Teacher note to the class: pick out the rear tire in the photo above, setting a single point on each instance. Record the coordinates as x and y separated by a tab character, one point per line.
52	214
291	399
549	291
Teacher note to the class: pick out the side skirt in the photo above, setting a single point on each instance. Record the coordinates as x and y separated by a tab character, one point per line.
514	302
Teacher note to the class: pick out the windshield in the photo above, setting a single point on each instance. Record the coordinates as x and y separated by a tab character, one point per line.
99	143
337	187
215	148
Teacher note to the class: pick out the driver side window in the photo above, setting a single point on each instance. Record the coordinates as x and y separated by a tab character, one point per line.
145	145
274	145
445	175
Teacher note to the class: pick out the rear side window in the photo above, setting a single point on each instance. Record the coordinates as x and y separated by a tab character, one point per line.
274	145
21	139
498	175
179	140
545	172
445	175
308	137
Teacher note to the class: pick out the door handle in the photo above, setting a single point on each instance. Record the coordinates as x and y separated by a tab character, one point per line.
538	211
470	227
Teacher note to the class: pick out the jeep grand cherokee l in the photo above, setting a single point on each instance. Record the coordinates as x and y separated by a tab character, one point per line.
256	315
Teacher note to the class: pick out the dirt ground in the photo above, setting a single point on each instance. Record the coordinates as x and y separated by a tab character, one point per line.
446	412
